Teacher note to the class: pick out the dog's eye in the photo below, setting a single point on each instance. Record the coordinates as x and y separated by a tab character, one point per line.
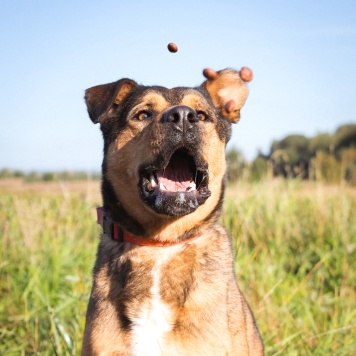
143	115
201	116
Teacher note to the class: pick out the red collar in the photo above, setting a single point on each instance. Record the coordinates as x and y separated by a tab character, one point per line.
116	233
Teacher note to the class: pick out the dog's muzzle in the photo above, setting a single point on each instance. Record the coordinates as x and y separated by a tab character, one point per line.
176	189
177	182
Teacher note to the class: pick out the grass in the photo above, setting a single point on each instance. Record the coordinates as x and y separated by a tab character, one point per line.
295	260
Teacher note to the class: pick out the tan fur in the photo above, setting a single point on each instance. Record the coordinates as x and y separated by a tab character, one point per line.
228	86
183	299
123	92
196	101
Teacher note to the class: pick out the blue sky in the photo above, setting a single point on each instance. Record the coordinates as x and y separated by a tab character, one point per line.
303	54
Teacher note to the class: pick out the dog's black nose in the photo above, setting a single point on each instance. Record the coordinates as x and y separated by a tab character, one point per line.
182	117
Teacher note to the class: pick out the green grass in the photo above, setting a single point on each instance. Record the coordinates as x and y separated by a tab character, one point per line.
295	261
48	245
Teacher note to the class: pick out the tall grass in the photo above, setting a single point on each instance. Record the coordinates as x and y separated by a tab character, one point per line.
296	254
48	247
295	261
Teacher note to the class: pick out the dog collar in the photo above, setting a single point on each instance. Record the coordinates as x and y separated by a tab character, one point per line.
115	232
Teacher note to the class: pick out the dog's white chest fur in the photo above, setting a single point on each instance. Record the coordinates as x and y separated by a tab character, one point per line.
154	319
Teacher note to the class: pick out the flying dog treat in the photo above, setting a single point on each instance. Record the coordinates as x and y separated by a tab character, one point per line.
246	74
172	47
230	106
210	74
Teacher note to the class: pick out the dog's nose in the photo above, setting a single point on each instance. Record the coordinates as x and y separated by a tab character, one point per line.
182	117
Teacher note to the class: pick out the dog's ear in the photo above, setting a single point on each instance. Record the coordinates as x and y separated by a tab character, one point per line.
228	92
101	98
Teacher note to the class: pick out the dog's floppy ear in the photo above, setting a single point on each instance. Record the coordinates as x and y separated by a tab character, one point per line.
99	99
228	92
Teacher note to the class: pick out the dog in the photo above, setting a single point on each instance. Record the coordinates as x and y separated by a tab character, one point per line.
164	281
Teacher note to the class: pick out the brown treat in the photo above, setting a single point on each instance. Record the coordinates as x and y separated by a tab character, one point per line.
246	74
230	106
210	74
172	47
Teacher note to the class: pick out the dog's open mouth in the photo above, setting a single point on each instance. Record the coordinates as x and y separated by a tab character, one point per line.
178	188
180	175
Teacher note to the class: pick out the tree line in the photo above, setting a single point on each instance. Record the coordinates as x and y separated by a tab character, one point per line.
35	176
325	157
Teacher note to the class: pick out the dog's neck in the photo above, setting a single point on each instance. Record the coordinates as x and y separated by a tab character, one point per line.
115	232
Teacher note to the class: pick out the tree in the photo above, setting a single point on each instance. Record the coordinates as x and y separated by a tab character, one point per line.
321	142
258	169
290	156
345	136
235	164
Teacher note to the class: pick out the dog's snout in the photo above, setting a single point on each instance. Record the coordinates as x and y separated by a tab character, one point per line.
182	117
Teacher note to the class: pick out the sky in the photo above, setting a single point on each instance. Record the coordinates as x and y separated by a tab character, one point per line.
302	53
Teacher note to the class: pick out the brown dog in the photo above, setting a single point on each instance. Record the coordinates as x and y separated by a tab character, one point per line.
164	281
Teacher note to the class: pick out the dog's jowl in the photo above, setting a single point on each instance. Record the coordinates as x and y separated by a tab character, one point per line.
164	281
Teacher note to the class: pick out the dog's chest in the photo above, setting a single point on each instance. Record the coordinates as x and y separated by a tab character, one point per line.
153	317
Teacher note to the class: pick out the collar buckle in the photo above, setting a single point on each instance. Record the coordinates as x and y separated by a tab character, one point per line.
108	226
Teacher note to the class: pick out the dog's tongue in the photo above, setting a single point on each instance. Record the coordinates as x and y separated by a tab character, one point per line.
177	175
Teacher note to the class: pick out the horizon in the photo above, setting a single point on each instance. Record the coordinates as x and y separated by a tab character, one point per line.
98	170
302	55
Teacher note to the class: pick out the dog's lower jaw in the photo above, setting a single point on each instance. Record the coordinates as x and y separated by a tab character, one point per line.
175	203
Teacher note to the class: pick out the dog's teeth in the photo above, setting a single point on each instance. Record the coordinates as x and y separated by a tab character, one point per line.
192	187
162	187
153	181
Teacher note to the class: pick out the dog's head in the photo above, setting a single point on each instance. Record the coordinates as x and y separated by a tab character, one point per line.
164	149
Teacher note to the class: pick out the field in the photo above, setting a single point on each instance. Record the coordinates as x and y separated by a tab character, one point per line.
295	249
